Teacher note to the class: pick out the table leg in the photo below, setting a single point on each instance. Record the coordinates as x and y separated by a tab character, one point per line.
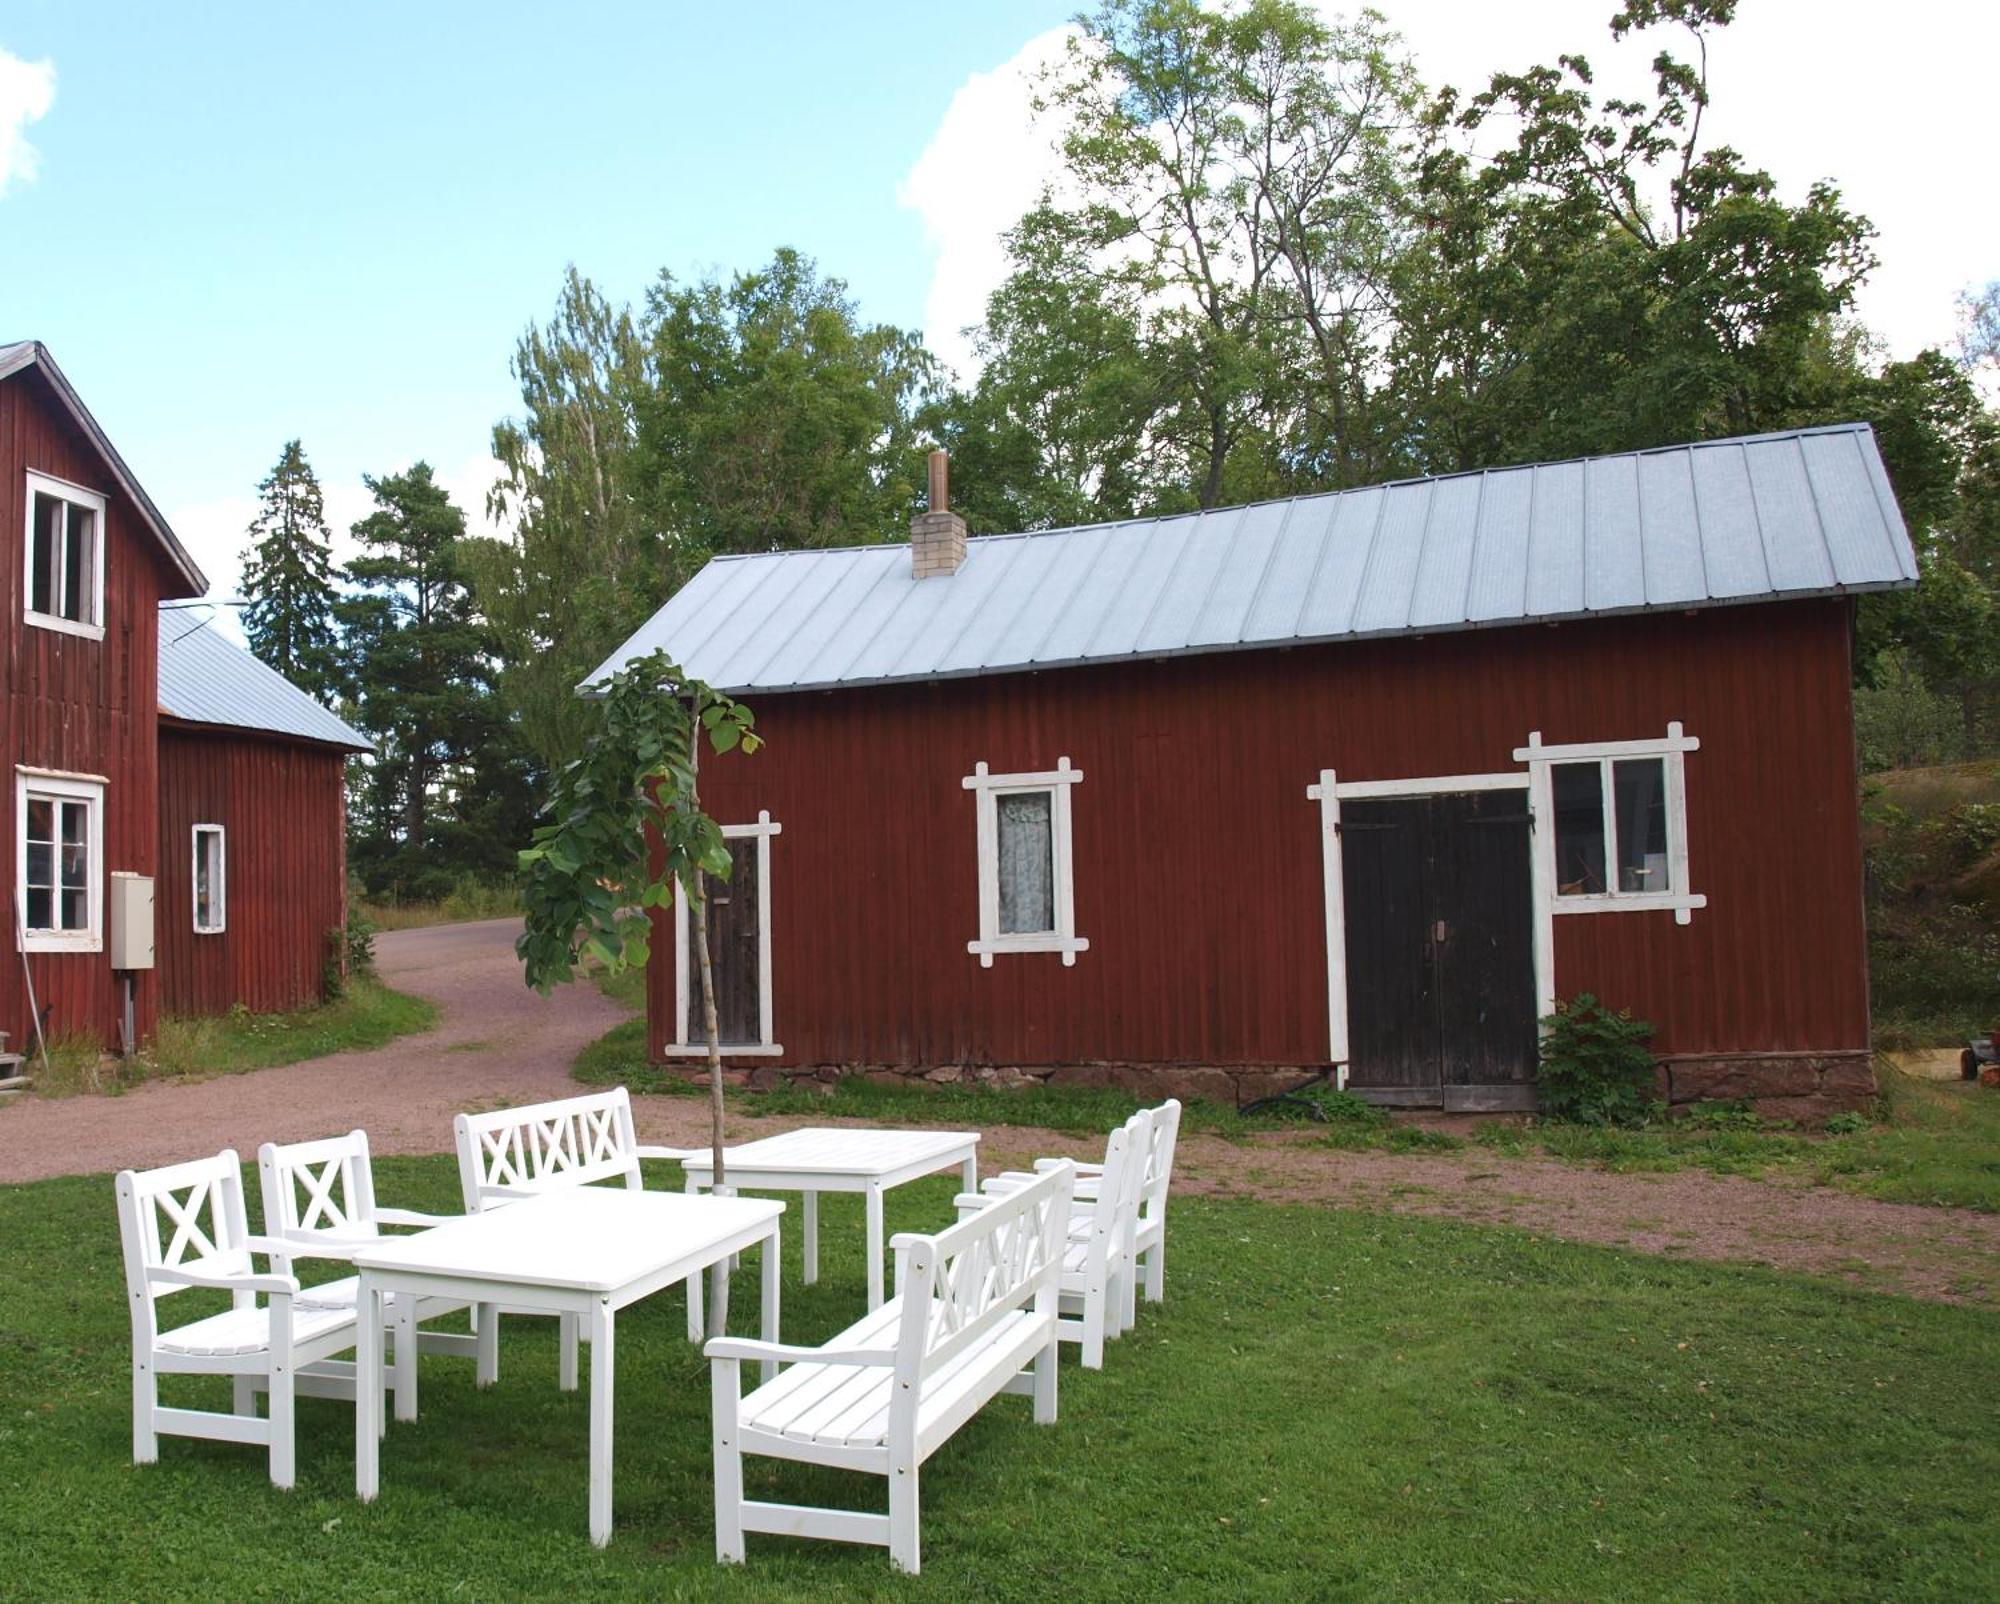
696	1324
601	1320
968	1172
874	1199
812	1239
367	1390
770	1268
405	1308
486	1355
566	1329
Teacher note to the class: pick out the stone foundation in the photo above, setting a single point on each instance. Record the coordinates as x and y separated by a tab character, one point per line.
1806	1087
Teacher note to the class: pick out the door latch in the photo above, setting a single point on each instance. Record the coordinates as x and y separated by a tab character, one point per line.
1439	932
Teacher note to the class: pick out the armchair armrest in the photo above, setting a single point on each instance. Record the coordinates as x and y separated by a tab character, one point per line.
414	1217
1084	1170
679	1155
746	1348
310	1245
227	1281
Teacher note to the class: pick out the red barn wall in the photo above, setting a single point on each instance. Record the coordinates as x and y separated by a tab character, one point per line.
1198	878
282	810
80	705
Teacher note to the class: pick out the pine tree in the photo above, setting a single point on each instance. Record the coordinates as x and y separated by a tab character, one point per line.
288	579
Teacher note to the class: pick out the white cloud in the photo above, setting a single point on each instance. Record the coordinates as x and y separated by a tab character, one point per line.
983	168
27	91
1896	116
216	532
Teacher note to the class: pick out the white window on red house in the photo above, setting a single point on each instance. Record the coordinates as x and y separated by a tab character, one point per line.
61	861
210	880
1027	891
65	556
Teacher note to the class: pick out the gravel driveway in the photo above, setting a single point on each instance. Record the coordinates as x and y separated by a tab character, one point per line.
496	1043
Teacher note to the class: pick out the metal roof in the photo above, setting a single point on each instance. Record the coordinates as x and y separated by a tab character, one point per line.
1760	518
206	679
33	354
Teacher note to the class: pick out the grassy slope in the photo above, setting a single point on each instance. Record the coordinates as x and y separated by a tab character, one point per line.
1331	1405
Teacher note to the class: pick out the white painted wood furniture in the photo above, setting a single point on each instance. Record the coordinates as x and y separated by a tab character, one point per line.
819	1159
184	1226
582	1253
977	1309
507	1154
1099	1259
322	1194
1150	1237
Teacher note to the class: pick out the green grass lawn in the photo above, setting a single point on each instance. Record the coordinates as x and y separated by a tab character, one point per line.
1330	1406
369	1015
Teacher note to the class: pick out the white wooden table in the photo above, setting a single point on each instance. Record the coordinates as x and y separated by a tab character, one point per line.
585	1251
820	1159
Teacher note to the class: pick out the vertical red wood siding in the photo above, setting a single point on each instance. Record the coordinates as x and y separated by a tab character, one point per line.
80	705
280	804
1198	865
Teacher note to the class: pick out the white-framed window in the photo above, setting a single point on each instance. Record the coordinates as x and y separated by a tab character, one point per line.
59	860
65	556
1027	882
211	880
1612	823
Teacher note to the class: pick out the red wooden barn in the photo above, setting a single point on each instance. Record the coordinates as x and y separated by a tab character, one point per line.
1361	782
96	775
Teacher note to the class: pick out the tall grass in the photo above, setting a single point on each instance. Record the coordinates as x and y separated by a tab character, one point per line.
471	898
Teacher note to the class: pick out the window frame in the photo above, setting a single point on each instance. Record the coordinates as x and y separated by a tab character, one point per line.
1671	751
221	894
685	978
56	785
987	788
43	484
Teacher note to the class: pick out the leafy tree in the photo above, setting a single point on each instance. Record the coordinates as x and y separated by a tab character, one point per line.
422	665
625	826
288	578
773	416
583	564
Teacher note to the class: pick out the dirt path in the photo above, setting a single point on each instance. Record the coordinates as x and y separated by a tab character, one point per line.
498	1043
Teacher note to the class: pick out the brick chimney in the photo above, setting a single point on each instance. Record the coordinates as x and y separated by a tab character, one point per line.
937	535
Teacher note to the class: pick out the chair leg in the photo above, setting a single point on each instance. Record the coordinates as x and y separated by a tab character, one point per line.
726	1386
486	1361
1128	1293
1045	1383
903	1549
245	1395
1156	1272
284	1461
145	1399
566	1358
1094	1301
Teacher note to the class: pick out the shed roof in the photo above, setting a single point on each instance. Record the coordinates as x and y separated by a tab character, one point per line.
206	679
33	354
1805	513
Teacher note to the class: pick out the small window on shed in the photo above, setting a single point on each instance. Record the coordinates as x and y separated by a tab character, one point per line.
59	860
210	880
1027	897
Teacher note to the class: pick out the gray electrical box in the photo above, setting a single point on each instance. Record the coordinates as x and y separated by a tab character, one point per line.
131	920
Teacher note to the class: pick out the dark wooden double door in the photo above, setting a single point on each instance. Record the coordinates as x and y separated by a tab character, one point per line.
1437	894
735	951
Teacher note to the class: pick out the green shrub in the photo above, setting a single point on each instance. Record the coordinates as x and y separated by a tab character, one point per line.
1849	1124
1596	1068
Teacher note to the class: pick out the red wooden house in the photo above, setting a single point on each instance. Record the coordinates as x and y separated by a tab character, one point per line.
86	561
1361	782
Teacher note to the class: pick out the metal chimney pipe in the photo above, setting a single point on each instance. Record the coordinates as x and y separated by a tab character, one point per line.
940	475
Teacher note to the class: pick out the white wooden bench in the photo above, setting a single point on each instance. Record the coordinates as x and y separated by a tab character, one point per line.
976	1310
322	1194
184	1226
1099	1255
512	1153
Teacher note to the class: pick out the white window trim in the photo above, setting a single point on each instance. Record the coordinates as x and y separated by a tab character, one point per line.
55	783
48	484
221	897
764	1046
987	788
1672	750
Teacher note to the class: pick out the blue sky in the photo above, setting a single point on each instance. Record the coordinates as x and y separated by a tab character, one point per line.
238	223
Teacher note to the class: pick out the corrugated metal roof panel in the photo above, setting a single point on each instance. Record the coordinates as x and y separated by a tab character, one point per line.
205	679
1769	516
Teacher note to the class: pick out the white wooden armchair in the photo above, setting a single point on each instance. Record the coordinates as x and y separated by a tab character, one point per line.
1099	1255
184	1226
1150	1235
322	1195
977	1309
512	1153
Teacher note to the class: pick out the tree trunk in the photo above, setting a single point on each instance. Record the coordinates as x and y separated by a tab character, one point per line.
718	1275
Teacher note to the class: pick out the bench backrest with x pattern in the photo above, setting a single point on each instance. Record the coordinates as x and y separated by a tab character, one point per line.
516	1152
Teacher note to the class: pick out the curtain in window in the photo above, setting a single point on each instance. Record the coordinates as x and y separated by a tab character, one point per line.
1027	862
